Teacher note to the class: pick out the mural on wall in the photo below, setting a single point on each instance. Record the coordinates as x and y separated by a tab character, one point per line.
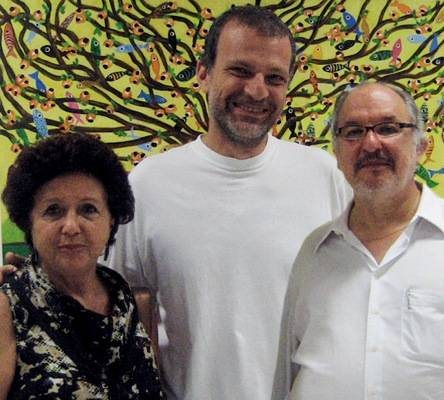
124	71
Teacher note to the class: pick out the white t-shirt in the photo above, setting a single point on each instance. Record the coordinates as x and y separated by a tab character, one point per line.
215	238
356	329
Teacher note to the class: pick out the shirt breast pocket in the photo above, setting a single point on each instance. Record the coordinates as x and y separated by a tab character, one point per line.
422	337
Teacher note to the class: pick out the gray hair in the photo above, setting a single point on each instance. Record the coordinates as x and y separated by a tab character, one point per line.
408	101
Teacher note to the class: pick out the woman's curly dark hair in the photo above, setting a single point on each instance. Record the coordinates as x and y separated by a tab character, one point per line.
60	155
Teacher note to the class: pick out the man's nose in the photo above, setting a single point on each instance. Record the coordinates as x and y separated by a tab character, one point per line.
371	141
256	87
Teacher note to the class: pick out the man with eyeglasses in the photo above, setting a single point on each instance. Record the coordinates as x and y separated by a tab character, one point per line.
364	310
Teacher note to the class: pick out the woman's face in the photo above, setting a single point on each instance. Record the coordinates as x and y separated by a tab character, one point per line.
71	223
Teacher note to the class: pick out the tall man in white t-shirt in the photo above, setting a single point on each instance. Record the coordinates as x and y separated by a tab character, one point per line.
364	312
219	221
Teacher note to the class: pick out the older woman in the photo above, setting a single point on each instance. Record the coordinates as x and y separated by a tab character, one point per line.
68	326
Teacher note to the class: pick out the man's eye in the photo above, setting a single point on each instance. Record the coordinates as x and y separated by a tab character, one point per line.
353	132
276	79
387	129
240	71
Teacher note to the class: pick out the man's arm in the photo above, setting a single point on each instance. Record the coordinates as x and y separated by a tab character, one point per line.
8	353
148	311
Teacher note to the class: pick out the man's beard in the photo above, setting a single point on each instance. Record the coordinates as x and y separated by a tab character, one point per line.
246	132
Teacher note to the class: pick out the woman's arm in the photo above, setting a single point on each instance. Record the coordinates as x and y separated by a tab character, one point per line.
8	354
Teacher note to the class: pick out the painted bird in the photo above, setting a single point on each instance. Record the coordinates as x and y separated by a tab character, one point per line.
152	100
172	40
350	21
10	39
40	123
396	50
40	86
72	104
314	81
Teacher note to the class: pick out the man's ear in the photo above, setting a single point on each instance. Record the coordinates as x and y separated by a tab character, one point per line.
202	76
421	148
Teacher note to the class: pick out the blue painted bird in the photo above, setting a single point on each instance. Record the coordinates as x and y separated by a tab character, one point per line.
40	123
40	86
151	100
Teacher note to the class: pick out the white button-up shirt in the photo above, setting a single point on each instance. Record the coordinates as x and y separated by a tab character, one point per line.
354	329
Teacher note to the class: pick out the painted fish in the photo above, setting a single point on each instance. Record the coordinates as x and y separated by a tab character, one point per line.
396	50
155	66
10	39
114	76
52	52
152	100
172	40
434	43
346	44
429	149
72	104
40	123
424	112
186	74
404	8
129	48
433	172
381	55
424	174
438	61
416	38
315	20
95	48
39	84
65	23
350	21
336	67
23	135
144	146
34	28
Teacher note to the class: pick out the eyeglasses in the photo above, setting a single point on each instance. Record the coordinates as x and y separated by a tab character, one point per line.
383	130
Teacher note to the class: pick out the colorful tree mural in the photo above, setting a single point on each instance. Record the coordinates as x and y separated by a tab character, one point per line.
124	70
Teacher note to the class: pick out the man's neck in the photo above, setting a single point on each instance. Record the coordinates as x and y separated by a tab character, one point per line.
379	221
227	148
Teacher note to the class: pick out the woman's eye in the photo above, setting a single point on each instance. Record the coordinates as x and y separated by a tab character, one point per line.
53	210
89	209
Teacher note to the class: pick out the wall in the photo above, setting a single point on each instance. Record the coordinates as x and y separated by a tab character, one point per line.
125	71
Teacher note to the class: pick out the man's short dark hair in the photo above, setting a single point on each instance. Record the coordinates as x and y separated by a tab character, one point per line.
264	21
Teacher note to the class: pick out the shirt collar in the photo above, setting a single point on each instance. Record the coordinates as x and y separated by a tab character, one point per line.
430	209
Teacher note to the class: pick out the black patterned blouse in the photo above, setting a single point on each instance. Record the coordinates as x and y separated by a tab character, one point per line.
67	352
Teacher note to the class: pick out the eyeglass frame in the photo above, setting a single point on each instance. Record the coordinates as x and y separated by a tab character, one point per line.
366	128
